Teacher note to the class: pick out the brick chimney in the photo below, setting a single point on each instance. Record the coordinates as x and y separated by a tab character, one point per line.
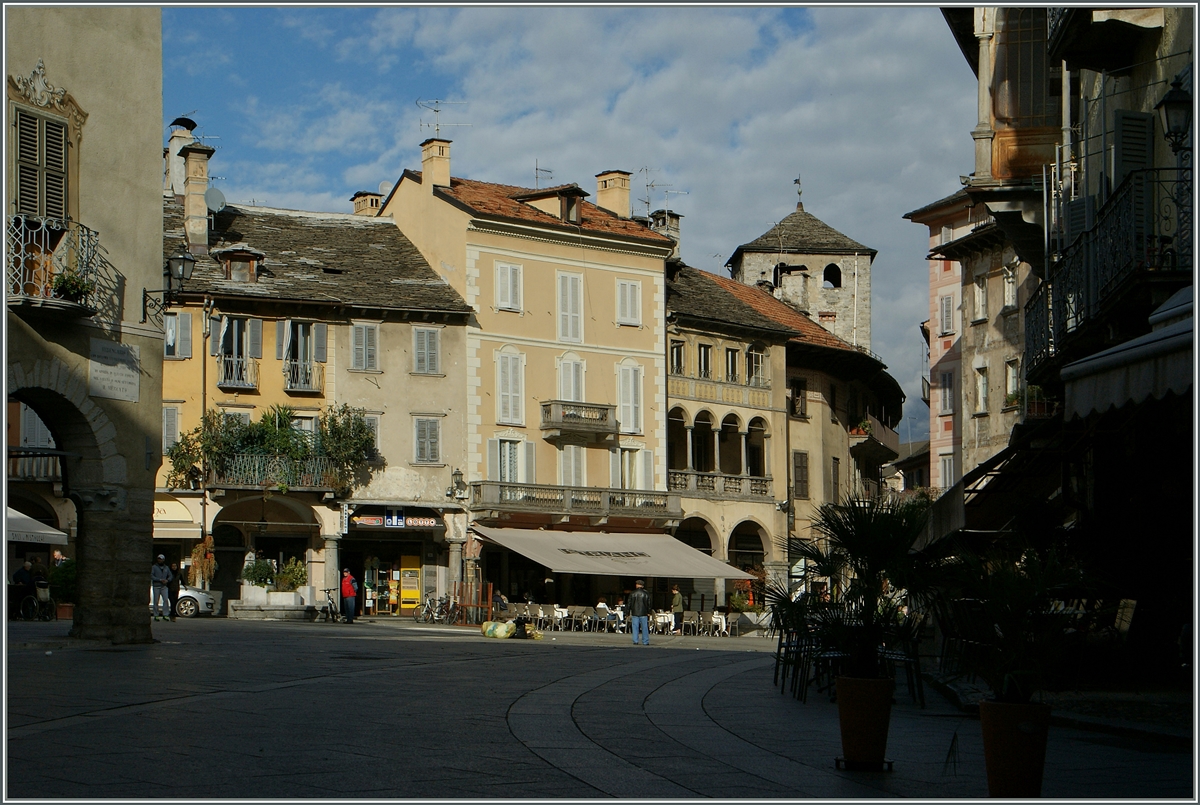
195	184
666	222
435	163
366	203
175	173
612	192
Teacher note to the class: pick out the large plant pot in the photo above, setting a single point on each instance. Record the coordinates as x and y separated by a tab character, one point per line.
1014	747
865	711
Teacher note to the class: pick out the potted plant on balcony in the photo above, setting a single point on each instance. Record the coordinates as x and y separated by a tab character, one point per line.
866	548
72	286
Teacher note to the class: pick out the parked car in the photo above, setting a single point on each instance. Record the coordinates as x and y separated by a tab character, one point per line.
191	602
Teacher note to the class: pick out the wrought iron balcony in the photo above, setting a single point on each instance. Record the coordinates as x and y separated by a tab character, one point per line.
594	420
303	376
317	474
717	485
236	373
52	262
596	502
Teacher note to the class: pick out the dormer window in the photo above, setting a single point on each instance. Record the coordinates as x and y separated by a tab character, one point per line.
571	209
241	269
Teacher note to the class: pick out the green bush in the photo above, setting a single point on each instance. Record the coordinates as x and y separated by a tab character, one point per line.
62	582
260	572
291	576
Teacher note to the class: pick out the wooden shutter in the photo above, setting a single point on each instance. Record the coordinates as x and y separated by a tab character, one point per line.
493	459
647	469
947	303
576	309
571	381
800	474
183	335
281	334
614	468
371	338
514	287
422	439
570	307
635	398
41	175
434	435
530	462
320	333
502	287
835	468
421	361
254	326
503	382
55	176
358	347
28	163
170	427
431	351
1134	146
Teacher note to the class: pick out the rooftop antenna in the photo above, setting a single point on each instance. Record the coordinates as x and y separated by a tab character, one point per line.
650	185
672	193
435	106
537	173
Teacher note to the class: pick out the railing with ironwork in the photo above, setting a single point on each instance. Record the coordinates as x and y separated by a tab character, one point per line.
574	500
303	376
235	372
579	417
316	472
34	468
1056	19
1039	330
718	484
51	259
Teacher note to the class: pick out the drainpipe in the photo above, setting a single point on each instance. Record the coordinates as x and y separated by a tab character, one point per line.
207	331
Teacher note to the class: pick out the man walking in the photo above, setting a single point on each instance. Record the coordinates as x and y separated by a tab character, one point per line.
349	595
160	580
638	607
173	586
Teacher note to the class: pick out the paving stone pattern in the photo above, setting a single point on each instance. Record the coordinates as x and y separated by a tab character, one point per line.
252	709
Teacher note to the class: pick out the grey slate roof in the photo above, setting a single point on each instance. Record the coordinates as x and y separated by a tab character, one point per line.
316	257
696	294
803	233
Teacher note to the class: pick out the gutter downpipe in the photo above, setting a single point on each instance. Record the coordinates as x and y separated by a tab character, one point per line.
207	331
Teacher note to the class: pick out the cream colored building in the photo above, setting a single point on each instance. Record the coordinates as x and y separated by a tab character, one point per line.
83	159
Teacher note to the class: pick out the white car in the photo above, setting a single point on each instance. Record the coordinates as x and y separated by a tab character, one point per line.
191	602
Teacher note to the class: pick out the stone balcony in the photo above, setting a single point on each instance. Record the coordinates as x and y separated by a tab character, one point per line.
565	501
595	421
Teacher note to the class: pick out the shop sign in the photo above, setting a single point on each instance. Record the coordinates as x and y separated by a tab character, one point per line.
393	518
421	522
367	519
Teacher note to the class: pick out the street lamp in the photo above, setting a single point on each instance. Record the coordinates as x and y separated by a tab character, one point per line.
457	488
1175	112
176	272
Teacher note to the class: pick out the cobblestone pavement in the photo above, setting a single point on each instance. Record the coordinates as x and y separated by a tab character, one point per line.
242	709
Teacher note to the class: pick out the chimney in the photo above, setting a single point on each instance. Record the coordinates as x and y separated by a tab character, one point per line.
612	192
175	174
435	163
366	203
666	222
195	183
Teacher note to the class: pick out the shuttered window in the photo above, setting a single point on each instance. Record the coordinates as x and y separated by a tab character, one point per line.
629	302
947	313
41	180
570	307
425	350
947	393
571	381
170	427
629	411
508	388
1134	143
800	475
504	463
571	465
365	347
508	286
428	437
177	335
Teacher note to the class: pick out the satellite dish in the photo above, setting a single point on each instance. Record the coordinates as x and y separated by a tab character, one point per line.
186	122
214	199
384	187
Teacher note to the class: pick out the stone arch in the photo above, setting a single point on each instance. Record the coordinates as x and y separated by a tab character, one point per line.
749	545
757	433
677	436
731	445
704	457
832	276
696	531
114	522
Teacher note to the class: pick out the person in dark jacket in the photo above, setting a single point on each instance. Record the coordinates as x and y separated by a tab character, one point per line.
676	610
160	578
638	608
173	587
349	595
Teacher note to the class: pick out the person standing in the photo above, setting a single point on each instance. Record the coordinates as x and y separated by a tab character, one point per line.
638	607
349	595
173	587
160	579
676	610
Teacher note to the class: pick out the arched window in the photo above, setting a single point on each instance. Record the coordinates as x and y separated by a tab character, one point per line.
833	276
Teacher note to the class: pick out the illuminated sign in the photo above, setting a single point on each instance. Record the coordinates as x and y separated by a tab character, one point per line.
393	517
421	522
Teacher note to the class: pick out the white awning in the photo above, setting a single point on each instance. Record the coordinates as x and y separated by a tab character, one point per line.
600	554
173	520
20	527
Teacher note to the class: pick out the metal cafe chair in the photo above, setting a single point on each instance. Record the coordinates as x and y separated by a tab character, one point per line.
690	623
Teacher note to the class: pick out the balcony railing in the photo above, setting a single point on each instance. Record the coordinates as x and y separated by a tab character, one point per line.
237	373
561	417
574	500
711	484
52	260
318	473
877	442
1144	228
303	376
34	469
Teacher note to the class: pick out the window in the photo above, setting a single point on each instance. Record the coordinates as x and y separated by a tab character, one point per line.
800	397
571	209
704	361
372	421
832	276
307	426
426	348
365	347
946	306
428	439
981	390
571	460
1010	287
677	358
947	468
1022	74
629	302
34	432
731	365
41	175
177	335
241	416
570	307
947	393
508	286
981	300
835	481
947	235
509	380
756	367
238	344
800	475
629	409
633	469
301	342
1012	380
240	269
505	461
570	379
170	427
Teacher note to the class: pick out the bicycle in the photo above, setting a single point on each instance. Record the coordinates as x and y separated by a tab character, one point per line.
436	610
333	608
39	606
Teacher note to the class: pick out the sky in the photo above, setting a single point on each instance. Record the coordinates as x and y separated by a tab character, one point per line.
715	110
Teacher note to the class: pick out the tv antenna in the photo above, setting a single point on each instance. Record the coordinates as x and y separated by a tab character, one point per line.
674	193
537	173
650	187
435	106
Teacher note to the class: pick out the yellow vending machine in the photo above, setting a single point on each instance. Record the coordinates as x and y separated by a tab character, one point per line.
410	582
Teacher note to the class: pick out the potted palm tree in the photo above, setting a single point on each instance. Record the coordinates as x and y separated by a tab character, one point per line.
867	549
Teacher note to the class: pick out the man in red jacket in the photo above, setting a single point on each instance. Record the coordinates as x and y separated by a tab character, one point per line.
349	595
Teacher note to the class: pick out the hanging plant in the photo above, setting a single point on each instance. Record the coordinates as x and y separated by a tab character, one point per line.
204	563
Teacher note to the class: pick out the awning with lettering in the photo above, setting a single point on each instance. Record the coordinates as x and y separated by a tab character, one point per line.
659	555
20	527
173	520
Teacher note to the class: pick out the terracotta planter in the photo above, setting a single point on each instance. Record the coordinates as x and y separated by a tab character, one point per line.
66	612
1014	747
865	711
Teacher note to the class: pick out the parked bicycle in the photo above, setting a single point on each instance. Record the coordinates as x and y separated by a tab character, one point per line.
39	606
333	607
436	610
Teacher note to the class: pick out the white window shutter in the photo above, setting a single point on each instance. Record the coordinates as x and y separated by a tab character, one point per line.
281	334
635	302
530	463
431	350
624	404
319	336
433	431
421	359
255	338
576	299
515	378
170	426
647	469
622	301
183	335
358	347
371	347
493	459
614	468
422	440
514	292
947	314
564	316
503	391
502	286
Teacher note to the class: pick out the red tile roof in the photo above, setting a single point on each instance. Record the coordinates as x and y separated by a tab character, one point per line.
498	200
807	330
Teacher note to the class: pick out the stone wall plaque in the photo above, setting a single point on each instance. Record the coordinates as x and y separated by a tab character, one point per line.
114	371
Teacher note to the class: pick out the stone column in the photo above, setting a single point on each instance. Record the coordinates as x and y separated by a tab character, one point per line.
690	435
716	449
333	573
745	440
456	537
982	133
